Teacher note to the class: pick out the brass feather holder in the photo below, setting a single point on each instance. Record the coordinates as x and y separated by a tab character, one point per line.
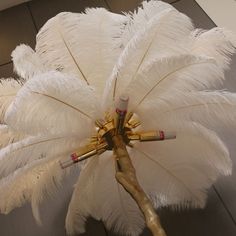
115	132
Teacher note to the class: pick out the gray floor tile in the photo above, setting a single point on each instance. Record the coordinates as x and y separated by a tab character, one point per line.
16	27
213	220
124	5
195	12
53	211
226	186
42	10
6	71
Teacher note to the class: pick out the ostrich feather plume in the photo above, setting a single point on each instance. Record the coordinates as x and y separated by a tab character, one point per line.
80	66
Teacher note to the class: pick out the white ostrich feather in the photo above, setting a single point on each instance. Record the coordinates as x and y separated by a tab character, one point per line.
89	44
81	65
63	109
100	194
173	74
26	62
177	188
138	19
164	35
48	184
78	211
27	150
55	34
210	108
127	217
8	136
185	178
8	89
217	43
32	182
17	188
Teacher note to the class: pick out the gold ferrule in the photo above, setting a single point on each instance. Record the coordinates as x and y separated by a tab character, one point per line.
134	123
84	153
150	136
89	150
107	127
133	136
99	123
128	117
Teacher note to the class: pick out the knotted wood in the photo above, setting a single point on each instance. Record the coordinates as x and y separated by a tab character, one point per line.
126	176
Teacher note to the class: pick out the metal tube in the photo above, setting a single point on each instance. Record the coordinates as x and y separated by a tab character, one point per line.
121	111
84	153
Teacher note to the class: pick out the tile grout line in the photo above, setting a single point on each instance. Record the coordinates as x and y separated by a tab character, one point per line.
175	1
32	17
7	63
224	205
105	230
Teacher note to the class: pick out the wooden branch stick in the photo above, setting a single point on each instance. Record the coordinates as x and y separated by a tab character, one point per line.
126	176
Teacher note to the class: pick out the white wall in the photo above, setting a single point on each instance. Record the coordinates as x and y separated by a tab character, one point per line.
222	12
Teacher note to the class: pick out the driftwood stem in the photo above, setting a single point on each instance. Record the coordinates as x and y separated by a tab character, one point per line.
126	176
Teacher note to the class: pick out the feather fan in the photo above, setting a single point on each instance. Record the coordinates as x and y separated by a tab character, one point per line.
81	65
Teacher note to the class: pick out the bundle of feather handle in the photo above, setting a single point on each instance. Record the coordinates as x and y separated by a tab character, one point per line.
81	66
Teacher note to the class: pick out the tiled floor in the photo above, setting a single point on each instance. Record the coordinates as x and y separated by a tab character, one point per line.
20	25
